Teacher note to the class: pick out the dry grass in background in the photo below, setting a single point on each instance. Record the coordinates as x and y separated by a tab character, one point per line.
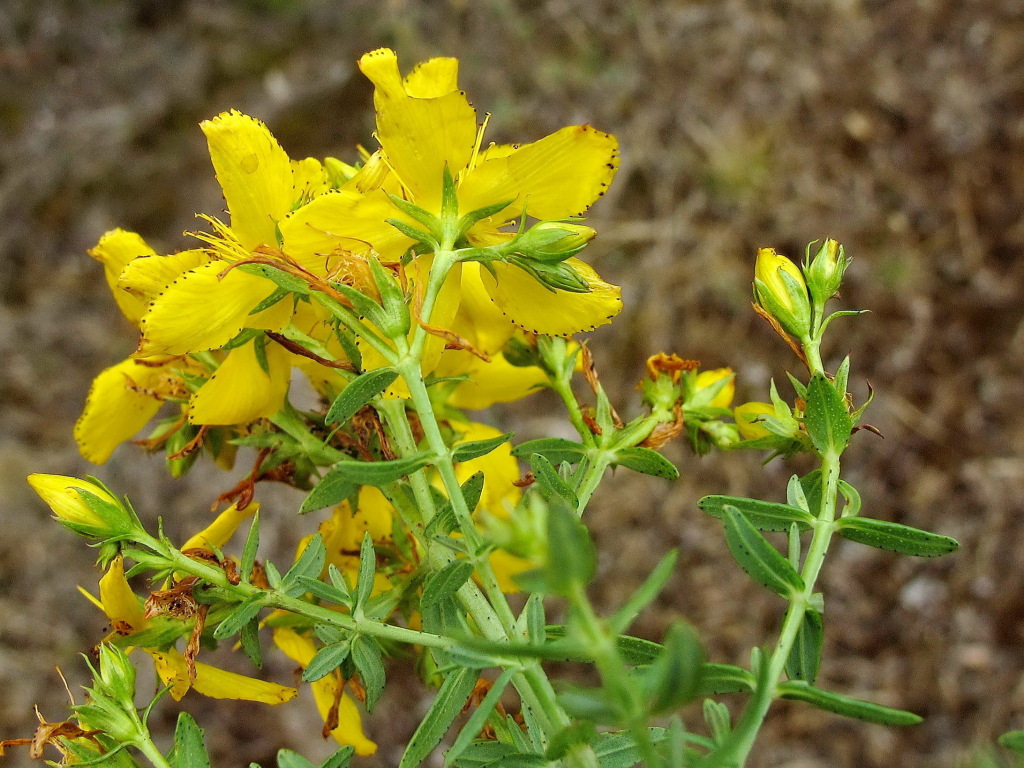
895	127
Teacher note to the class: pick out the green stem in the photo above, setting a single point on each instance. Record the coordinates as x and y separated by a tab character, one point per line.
614	674
273	599
757	708
146	746
564	390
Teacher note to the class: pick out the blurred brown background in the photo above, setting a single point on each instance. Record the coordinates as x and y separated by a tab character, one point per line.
894	127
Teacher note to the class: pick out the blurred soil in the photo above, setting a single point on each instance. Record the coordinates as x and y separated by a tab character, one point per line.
894	127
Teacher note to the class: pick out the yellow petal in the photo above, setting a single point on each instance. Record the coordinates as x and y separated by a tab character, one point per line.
309	180
747	416
119	601
240	391
432	78
216	683
220	531
495	382
255	174
446	306
343	532
537	309
724	397
147	277
121	400
500	470
420	135
114	251
200	311
343	220
554	178
60	493
301	650
478	318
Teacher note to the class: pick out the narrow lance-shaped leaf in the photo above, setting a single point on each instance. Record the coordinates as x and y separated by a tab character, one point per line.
478	448
550	482
763	515
367	568
648	462
451	698
761	561
189	749
366	655
333	488
446	582
326	660
895	537
805	657
649	590
827	420
239	617
380	472
309	564
845	705
554	449
358	393
571	560
476	722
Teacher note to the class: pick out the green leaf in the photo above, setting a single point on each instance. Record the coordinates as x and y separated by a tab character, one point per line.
550	482
726	678
309	564
380	472
571	561
554	449
252	543
326	660
593	704
288	759
646	461
358	393
1013	741
763	515
761	561
471	218
570	736
189	749
367	569
846	706
828	422
249	638
451	698
895	537
484	752
477	448
366	655
333	488
245	612
324	591
805	657
446	582
339	759
478	719
718	720
649	590
674	677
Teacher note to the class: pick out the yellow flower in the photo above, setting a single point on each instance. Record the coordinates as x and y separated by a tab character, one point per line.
328	692
219	532
747	423
120	604
789	305
64	497
723	398
425	124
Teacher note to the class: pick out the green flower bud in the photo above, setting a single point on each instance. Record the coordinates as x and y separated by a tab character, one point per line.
825	271
553	241
781	291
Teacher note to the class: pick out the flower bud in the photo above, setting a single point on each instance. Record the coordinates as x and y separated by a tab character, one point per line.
83	506
710	393
553	241
826	270
746	416
781	291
